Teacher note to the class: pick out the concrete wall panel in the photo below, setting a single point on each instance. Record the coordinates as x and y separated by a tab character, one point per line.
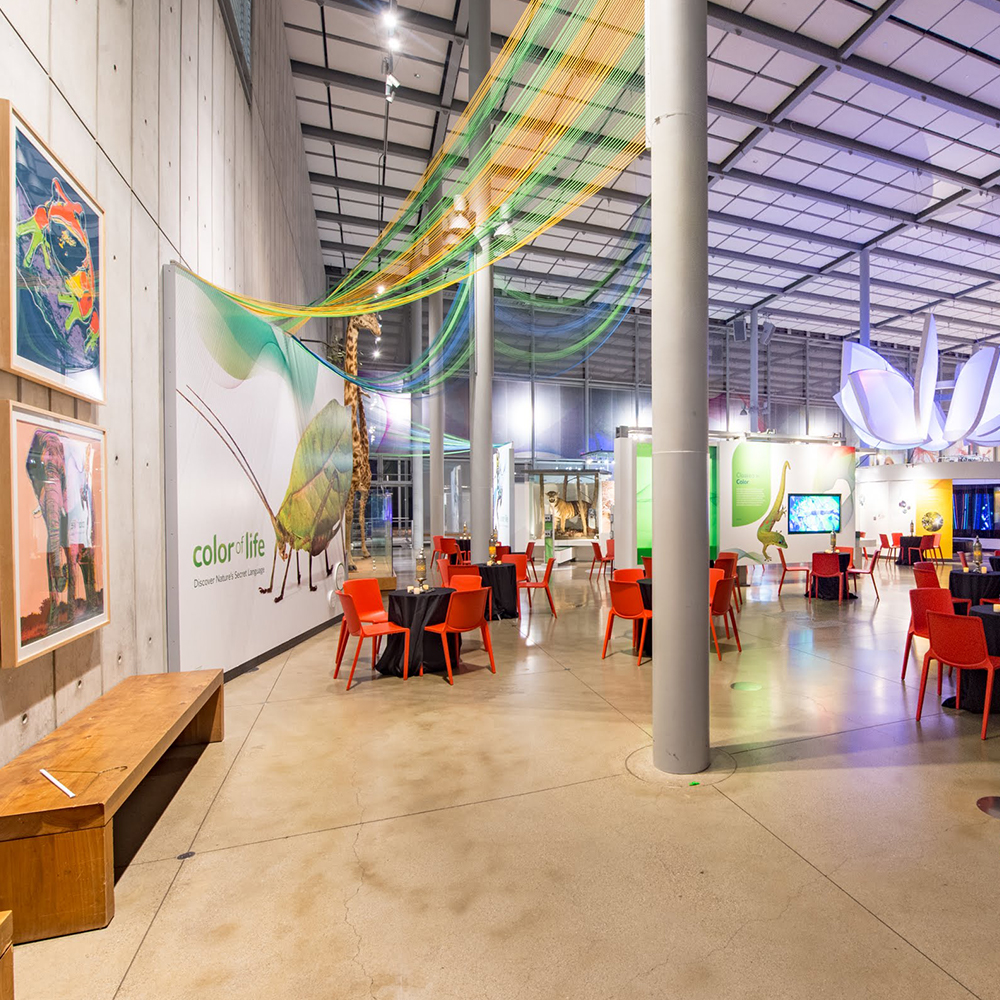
153	120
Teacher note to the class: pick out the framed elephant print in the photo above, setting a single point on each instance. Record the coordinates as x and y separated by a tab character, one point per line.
51	267
53	519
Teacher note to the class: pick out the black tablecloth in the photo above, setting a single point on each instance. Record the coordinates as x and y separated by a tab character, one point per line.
502	580
974	681
975	586
827	588
905	544
646	589
994	562
416	611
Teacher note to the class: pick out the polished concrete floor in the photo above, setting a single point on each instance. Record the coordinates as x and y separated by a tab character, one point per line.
499	839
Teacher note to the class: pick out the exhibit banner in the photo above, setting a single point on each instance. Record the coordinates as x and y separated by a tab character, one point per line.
258	451
933	512
760	481
503	493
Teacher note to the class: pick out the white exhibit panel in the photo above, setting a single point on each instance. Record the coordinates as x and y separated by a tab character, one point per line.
756	479
258	464
624	506
503	495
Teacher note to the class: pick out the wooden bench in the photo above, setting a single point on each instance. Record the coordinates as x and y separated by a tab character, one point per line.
6	957
56	852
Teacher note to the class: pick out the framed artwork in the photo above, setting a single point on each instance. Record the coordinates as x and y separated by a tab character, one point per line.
53	532
51	267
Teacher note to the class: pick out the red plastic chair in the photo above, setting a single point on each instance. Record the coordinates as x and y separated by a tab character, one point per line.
958	642
897	541
367	599
727	562
963	559
884	543
466	613
502	550
468	578
850	554
542	584
647	565
444	570
936	549
922	601
520	563
626	602
826	566
926	547
926	578
368	630
529	553
628	575
869	571
792	568
721	606
599	559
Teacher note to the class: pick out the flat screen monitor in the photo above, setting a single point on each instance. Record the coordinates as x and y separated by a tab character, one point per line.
813	513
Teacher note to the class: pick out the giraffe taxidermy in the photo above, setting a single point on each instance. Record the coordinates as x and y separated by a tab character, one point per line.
361	474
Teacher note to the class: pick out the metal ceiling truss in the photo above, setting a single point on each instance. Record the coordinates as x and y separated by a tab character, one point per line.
828	60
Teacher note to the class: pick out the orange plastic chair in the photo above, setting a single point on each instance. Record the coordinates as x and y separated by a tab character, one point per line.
922	601
792	568
611	553
628	575
826	566
937	547
897	541
626	602
727	561
647	565
368	630
529	553
599	559
444	569
520	563
850	553
714	576
450	547
958	642
721	606
466	613
367	599
869	571
884	543
543	584
468	578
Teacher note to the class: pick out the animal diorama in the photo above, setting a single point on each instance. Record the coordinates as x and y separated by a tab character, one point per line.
361	472
311	512
766	534
564	510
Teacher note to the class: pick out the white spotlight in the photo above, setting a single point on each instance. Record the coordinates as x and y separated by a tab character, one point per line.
389	19
393	44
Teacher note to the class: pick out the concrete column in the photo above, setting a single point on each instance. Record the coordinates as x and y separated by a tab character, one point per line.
754	372
865	275
435	319
417	417
481	374
676	87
